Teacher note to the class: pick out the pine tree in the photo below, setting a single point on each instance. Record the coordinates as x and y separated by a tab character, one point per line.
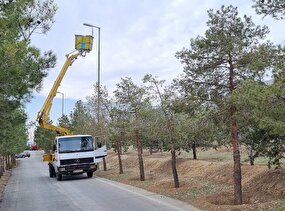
215	65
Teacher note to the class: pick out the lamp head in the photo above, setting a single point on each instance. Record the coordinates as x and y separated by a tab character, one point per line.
87	24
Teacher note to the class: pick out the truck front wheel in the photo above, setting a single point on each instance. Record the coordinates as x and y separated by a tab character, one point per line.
59	177
90	174
51	171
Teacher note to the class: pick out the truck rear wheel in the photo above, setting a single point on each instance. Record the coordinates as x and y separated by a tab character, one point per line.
90	174
59	177
50	171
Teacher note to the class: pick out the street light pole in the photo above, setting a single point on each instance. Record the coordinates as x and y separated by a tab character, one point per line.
98	90
62	102
99	70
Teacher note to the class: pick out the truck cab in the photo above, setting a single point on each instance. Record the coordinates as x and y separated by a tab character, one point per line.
75	154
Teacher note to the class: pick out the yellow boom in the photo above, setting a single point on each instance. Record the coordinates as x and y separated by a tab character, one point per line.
83	44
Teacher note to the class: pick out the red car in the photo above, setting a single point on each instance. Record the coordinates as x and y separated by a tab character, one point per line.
34	147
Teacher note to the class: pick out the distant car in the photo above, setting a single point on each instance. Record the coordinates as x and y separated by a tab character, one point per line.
20	155
34	147
27	154
23	155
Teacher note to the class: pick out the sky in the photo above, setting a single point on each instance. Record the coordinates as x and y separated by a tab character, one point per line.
138	37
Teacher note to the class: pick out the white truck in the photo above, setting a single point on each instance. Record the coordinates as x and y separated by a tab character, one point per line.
75	154
71	154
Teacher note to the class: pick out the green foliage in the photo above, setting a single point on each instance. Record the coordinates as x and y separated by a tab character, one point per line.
64	122
132	99
153	129
274	8
22	66
257	142
262	117
130	95
201	130
80	119
23	70
129	107
29	16
13	132
44	138
100	126
227	44
216	64
262	104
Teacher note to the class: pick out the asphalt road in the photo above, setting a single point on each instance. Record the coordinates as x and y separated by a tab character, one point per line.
30	189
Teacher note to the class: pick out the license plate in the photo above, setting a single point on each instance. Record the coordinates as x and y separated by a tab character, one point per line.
78	171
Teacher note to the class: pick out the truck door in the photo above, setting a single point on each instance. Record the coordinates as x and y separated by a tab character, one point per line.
100	152
56	156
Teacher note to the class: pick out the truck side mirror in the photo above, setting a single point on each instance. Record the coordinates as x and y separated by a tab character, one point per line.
99	145
53	147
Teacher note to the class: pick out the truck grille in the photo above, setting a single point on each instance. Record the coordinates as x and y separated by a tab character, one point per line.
77	161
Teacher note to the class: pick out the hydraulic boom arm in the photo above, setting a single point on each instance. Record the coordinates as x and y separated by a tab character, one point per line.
43	114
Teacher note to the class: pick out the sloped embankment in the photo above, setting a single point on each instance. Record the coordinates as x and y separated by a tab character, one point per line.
206	184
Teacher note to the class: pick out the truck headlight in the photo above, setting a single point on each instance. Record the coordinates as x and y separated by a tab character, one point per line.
61	169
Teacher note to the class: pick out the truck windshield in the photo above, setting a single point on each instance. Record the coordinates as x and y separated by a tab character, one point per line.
75	144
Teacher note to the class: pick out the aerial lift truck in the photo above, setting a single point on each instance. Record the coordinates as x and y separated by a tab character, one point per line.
71	154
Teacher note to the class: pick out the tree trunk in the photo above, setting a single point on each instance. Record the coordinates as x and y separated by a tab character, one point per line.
251	161
251	157
237	166
194	150
104	164
120	147
171	139
6	162
119	152
235	142
173	155
1	166
13	161
174	169
161	147
139	149
9	161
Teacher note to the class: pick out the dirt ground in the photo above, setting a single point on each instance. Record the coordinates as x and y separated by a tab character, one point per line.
3	181
206	184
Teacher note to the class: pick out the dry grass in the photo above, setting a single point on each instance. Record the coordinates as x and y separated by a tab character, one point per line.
206	183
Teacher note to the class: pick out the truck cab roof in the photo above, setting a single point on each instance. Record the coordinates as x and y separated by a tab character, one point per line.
71	136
